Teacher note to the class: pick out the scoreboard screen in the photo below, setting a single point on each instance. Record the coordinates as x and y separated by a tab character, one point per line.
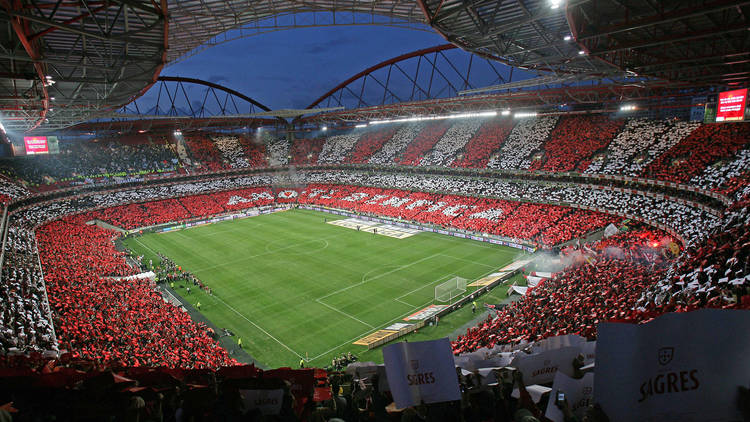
731	106
36	145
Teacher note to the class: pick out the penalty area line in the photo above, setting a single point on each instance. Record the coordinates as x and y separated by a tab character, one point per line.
258	327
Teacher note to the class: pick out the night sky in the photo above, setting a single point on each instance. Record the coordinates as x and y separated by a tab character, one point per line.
292	68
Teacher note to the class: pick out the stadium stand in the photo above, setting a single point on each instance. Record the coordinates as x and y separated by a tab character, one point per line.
81	160
525	138
704	146
444	151
638	143
254	150
427	137
485	144
204	151
573	142
306	151
231	150
368	144
401	139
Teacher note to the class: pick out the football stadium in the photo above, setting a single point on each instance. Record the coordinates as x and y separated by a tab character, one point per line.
375	210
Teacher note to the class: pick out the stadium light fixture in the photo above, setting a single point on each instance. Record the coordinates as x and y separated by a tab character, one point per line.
177	133
567	38
523	114
581	52
554	4
627	107
506	112
360	126
324	128
445	116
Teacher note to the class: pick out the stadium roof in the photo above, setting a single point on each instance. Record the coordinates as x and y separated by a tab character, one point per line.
65	62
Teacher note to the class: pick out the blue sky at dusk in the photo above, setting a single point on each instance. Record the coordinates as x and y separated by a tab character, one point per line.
292	68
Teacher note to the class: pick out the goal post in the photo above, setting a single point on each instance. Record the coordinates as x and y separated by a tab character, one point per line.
449	290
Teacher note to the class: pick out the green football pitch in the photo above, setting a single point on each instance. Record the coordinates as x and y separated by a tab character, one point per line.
294	287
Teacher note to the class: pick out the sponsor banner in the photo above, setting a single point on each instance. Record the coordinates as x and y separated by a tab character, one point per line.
578	392
267	401
421	372
426	313
540	368
398	326
678	367
378	337
486	281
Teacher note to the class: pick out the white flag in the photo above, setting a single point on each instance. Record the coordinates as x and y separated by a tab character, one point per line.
268	401
540	368
421	372
678	367
578	392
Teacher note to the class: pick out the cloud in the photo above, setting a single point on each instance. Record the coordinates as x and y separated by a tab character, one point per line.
217	79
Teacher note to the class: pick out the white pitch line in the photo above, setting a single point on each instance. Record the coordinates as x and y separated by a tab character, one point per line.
368	332
379	276
401	301
258	327
264	253
343	313
384	325
425	285
152	251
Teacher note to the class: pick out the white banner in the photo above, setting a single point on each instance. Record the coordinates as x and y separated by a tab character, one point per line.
578	392
678	367
532	281
589	352
558	342
268	401
516	289
541	368
421	372
542	274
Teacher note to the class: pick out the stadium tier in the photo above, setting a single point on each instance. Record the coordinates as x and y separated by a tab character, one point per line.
636	229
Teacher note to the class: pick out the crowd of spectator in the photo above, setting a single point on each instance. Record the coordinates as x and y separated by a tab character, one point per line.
337	147
727	176
399	141
575	140
600	284
485	144
639	142
278	152
231	150
25	324
703	147
455	138
526	137
518	221
204	152
368	144
427	137
103	318
254	149
306	150
79	160
714	273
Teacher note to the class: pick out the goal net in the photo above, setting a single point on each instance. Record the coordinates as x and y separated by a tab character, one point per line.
449	290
